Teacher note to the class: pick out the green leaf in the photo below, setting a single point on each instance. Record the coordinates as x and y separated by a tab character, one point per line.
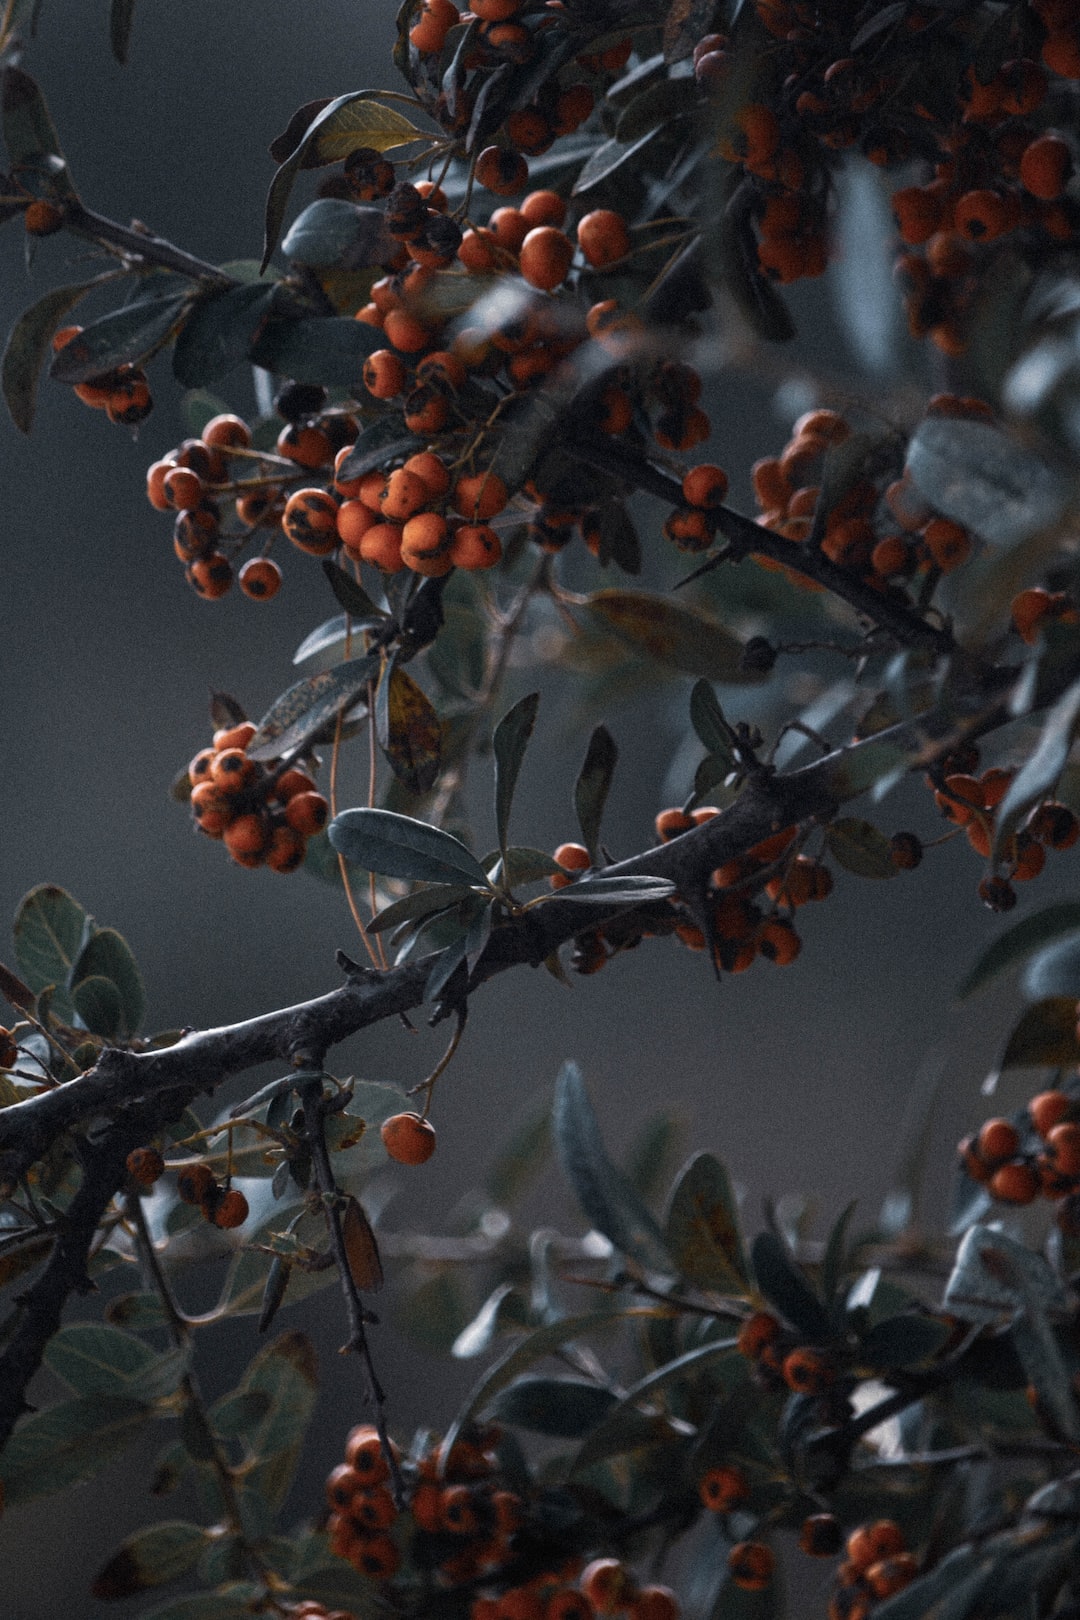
286	1372
328	634
236	1416
540	1342
150	1557
900	1341
344	124
408	729
399	846
121	18
28	344
592	787
832	1263
1040	771
49	931
504	1308
606	158
219	334
636	890
97	1004
677	636
67	1444
29	132
1045	1036
655	106
95	1359
332	231
702	1228
709	721
353	598
328	349
1020	941
107	955
434	1313
978	476
299	714
421	903
786	1286
567	1407
141	1311
126	337
604	1193
860	847
509	741
521	865
384	442
1055	971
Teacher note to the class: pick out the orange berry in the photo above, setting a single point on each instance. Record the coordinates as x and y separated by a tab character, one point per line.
381	545
871	1542
608	1584
891	1575
543	208
310	521
42	218
501	171
757	1331
479	496
475	546
237	736
408	1138
194	1183
546	254
230	1210
670	823
997	1141
705	486
1064	1143
402	495
260	578
211	576
286	851
364	1453
431	468
227	432
1014	1183
821	1536
307	446
182	488
307	813
354	519
723	1488
751	1564
603	237
655	1603
808	1371
1048	1109
246	838
406	332
145	1165
384	374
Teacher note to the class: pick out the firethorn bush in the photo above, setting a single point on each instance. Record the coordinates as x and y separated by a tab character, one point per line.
487	354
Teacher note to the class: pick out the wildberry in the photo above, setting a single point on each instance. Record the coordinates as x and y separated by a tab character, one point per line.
230	1210
260	578
723	1488
821	1535
751	1565
408	1138
145	1165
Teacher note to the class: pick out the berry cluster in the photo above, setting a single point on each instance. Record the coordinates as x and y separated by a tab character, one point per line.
969	801
196	1184
196	482
123	393
999	170
877	1565
781	1359
263	815
1038	1152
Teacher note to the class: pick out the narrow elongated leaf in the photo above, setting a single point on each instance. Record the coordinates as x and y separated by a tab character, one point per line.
568	1407
150	1557
28	344
638	890
408	729
509	741
342	125
49	931
126	337
219	334
592	787
604	1193
353	598
301	713
1045	1036
361	1249
327	349
608	157
121	18
1040	771
787	1287
1020	941
327	634
399	846
709	721
108	955
677	636
702	1228
67	1444
860	847
540	1342
421	903
978	476
832	1264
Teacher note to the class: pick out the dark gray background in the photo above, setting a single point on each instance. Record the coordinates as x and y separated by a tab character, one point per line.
799	1078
